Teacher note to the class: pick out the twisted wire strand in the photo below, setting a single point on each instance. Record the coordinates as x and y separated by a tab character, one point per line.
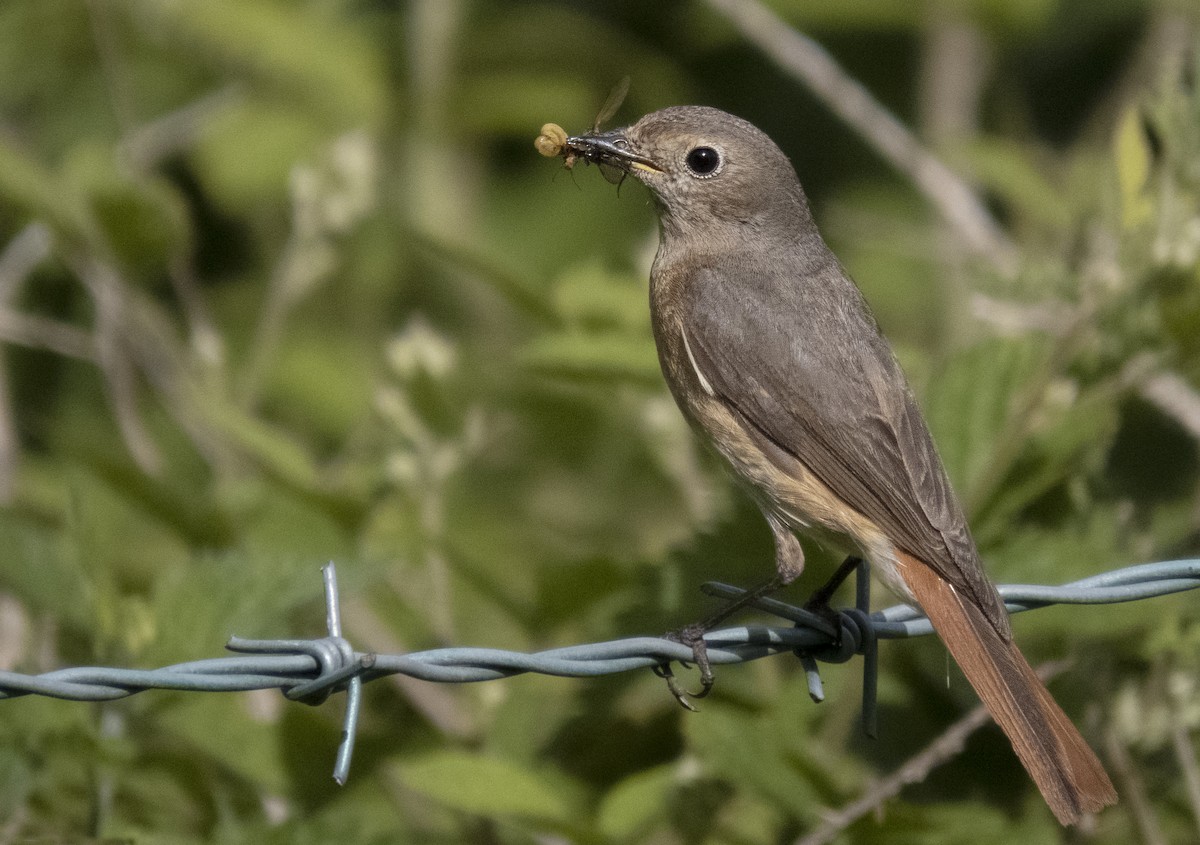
310	670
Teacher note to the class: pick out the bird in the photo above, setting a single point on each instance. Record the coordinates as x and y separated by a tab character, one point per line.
773	355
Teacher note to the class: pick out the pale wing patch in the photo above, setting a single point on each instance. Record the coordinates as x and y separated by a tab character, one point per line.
695	368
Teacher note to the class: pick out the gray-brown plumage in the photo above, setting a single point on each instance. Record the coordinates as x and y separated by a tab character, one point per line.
771	352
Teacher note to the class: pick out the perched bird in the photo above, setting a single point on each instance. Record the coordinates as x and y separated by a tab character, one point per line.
773	355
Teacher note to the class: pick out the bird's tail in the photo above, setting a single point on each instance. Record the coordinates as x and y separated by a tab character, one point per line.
1061	763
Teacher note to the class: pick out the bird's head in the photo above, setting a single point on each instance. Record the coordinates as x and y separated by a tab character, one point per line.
705	167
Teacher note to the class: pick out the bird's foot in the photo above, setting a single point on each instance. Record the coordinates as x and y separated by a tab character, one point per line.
820	608
819	602
691	636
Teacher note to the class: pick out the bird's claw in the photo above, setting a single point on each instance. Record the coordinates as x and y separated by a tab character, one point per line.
693	637
830	615
819	602
681	695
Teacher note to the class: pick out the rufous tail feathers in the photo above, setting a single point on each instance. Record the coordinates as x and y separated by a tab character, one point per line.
1061	763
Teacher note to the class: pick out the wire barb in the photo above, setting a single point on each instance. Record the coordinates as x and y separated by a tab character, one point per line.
310	670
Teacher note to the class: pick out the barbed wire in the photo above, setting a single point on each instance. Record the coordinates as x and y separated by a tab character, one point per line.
311	670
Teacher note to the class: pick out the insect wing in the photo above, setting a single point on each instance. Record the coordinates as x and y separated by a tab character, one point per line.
615	97
612	172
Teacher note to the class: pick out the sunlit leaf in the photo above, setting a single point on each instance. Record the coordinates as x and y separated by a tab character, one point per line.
1132	153
483	785
971	403
593	357
635	802
740	744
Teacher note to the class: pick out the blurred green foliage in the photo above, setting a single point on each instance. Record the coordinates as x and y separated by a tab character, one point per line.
282	282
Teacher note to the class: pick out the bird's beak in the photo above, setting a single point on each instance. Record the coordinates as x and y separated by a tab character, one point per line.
612	148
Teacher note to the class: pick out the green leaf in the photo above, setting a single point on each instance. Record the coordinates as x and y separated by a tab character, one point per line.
42	570
511	285
593	357
141	218
201	523
952	824
40	193
1011	171
298	50
15	782
744	747
231	731
145	223
247	153
634	803
592	297
277	450
515	102
970	403
484	786
1131	150
1086	546
1056	448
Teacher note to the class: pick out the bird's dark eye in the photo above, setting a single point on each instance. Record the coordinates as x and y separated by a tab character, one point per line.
703	161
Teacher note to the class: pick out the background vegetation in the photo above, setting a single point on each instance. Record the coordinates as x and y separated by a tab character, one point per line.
283	282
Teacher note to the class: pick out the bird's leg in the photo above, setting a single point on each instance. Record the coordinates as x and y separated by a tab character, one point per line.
789	563
692	636
820	599
818	602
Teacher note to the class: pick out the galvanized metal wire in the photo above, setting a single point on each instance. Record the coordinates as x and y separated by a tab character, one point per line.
310	670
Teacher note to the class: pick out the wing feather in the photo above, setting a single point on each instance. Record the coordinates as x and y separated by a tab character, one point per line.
801	360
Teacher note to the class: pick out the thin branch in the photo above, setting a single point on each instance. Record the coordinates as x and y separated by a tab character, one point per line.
1185	754
10	444
44	333
146	146
954	64
140	339
120	376
187	393
290	274
441	707
203	335
846	97
1161	54
20	258
1132	790
1012	319
12	831
955	61
114	69
943	749
16	631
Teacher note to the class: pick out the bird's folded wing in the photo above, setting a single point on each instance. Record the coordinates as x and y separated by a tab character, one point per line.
839	404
